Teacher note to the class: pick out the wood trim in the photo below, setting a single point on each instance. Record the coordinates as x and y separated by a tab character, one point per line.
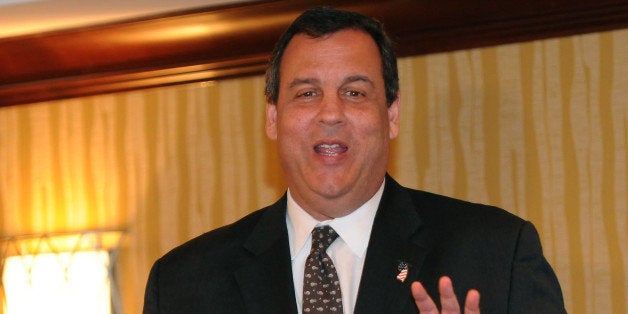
231	41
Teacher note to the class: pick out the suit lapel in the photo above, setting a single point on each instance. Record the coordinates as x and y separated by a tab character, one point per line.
266	279
396	237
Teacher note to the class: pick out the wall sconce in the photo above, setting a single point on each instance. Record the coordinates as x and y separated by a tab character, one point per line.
60	272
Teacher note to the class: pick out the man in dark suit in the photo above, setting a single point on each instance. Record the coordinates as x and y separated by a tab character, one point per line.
333	108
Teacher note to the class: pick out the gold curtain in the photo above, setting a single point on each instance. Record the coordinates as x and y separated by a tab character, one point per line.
538	128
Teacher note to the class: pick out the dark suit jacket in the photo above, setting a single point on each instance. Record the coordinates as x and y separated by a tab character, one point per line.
245	267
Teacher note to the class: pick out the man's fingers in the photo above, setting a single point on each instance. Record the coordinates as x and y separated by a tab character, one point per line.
447	296
424	303
448	299
472	303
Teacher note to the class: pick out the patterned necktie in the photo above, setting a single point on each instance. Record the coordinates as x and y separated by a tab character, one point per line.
321	288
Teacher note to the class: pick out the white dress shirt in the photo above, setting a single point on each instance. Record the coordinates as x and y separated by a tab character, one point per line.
347	252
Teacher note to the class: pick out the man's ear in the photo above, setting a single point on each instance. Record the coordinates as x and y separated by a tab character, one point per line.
393	118
271	120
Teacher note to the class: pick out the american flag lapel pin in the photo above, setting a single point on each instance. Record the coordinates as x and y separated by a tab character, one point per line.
403	271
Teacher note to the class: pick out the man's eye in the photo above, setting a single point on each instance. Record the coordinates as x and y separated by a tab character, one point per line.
307	94
353	93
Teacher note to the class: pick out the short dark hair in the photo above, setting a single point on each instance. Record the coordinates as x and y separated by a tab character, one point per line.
321	21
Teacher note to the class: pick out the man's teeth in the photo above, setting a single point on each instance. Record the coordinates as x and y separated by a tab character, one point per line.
329	149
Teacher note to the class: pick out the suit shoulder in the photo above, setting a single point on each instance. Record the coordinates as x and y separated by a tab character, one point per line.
444	208
217	241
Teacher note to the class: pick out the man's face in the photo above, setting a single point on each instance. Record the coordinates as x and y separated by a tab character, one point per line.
331	121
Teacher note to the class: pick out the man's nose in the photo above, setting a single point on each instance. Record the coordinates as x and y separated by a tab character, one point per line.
332	110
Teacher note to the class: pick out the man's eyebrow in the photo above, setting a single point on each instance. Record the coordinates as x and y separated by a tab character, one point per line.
302	81
358	78
314	81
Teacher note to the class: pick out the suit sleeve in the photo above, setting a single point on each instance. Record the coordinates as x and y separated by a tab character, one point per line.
535	288
151	295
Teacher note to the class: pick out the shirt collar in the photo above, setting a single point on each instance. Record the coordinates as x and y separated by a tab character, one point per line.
354	229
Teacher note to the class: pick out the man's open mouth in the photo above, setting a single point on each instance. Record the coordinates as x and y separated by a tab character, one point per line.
330	150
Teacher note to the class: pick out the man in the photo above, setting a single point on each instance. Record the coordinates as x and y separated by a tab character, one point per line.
333	108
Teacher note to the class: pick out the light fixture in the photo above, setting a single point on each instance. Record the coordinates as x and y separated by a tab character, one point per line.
60	272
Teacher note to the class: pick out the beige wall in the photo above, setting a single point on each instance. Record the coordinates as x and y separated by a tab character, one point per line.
540	129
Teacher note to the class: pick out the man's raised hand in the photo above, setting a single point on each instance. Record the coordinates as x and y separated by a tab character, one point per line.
448	300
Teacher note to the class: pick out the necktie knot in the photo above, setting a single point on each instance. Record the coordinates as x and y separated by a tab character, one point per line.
322	238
